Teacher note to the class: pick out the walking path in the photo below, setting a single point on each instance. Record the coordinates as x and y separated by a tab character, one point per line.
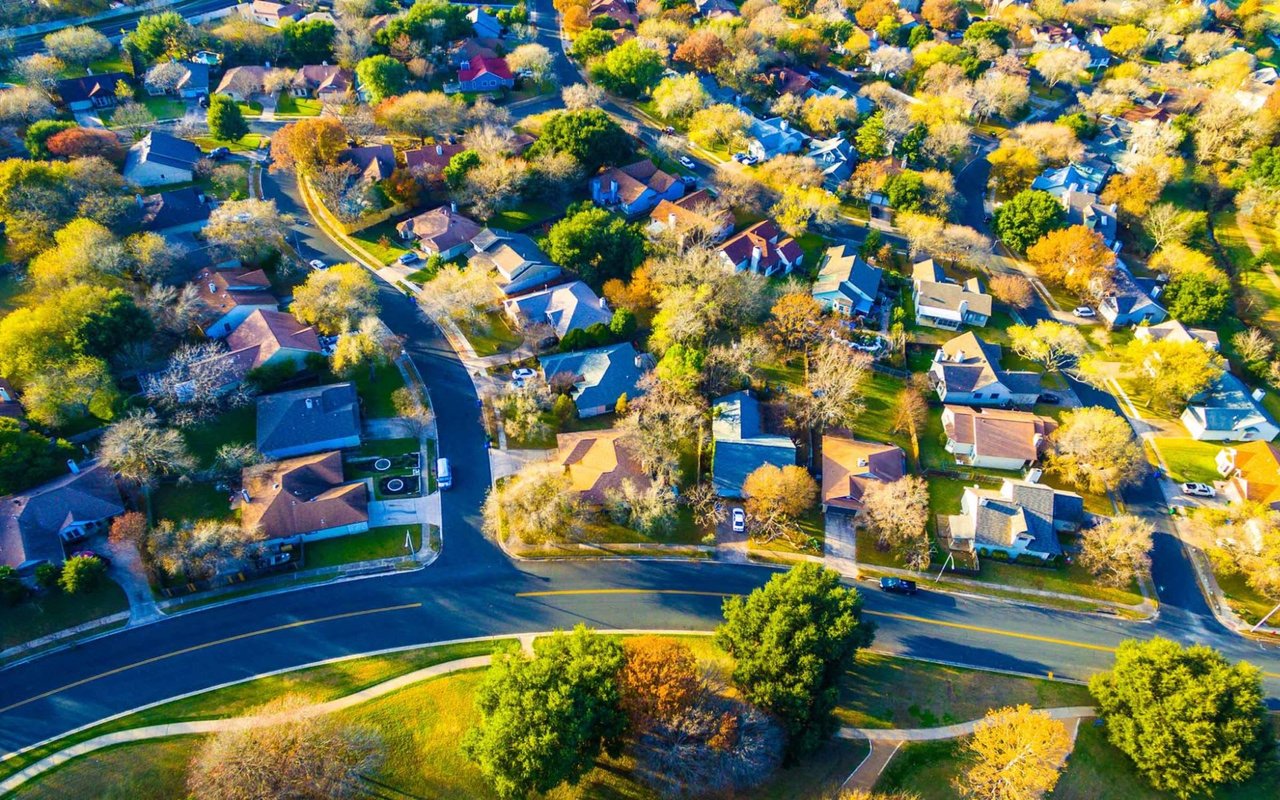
882	740
885	742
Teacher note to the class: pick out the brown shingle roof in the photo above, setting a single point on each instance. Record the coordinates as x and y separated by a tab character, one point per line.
221	290
301	495
763	234
598	461
997	433
264	333
849	464
634	179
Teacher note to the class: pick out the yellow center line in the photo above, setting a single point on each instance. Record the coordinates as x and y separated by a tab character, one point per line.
561	592
298	624
995	631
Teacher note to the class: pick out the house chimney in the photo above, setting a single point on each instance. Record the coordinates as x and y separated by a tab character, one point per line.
755	258
73	466
958	357
613	189
138	198
453	206
1257	395
1033	475
213	287
4	395
784	125
245	494
671	220
309	403
604	304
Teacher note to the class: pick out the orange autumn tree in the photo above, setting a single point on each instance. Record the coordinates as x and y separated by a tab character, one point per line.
1076	258
308	145
660	680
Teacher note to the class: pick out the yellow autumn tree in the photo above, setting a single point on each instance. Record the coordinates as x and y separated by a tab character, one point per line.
1015	754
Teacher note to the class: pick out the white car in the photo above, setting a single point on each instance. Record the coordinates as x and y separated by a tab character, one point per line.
739	521
1199	490
317	264
1084	312
687	162
523	374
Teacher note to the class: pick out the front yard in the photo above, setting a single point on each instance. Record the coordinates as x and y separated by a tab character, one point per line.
492	336
382	241
249	143
56	610
1189	461
373	544
298	106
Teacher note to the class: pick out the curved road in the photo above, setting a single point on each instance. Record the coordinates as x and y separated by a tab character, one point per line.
473	590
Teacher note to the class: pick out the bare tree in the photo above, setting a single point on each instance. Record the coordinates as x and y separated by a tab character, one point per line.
198	379
1118	551
897	512
165	76
141	449
1013	290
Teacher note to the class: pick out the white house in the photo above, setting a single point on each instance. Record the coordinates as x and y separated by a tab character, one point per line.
967	371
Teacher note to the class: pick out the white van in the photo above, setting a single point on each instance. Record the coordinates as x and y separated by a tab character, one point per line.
444	476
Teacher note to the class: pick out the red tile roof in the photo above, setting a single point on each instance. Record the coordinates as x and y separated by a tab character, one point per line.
481	66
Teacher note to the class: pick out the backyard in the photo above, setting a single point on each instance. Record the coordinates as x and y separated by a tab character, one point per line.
375	391
236	426
525	215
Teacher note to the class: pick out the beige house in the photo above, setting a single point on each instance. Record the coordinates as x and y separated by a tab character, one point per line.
995	438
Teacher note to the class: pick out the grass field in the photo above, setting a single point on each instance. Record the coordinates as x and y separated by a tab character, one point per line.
56	611
526	215
1190	460
299	106
192	502
376	391
373	544
493	336
382	241
239	425
247	144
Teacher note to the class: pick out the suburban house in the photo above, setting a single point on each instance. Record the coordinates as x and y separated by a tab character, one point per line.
1228	412
763	249
36	523
468	49
943	303
270	337
440	232
1088	177
482	74
634	189
309	420
374	162
848	465
302	499
567	307
836	158
618	10
518	261
484	24
995	438
966	370
771	137
1251	473
1174	331
266	12
175	212
159	159
323	82
432	158
1131	301
90	91
741	445
846	284
714	9
599	376
242	84
10	405
226	298
1084	209
785	80
193	83
598	462
692	217
1019	518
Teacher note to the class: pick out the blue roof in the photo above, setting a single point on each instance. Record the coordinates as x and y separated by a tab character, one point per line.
1227	404
741	446
602	373
1080	177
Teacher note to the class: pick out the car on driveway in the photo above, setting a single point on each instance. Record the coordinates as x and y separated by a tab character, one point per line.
897	586
317	264
687	162
408	258
749	160
1199	490
1084	312
670	131
219	153
523	374
739	521
1049	398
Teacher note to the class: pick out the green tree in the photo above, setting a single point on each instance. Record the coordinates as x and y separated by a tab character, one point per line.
1190	719
596	244
590	135
545	719
382	77
28	459
455	172
871	140
309	41
40	132
1027	217
159	35
681	368
1198	297
591	43
432	22
792	640
225	119
115	322
623	324
630	69
905	191
82	574
986	31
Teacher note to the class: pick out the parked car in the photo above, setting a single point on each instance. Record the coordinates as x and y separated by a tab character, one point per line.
1084	312
739	521
202	100
523	374
1049	398
687	162
1199	490
739	157
749	160
897	586
444	474
317	264
219	153
670	131
408	258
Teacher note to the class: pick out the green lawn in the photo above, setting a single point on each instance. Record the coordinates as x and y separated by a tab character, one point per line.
813	245
600	529
373	544
54	611
876	421
382	241
926	769
192	502
493	336
239	425
250	142
525	215
161	108
1190	460
1243	598
387	447
147	770
299	106
376	391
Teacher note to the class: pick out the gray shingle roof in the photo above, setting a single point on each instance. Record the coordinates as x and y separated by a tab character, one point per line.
602	373
316	415
161	148
741	445
31	521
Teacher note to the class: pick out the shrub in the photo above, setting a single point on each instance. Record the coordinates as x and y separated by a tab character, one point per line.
82	574
47	576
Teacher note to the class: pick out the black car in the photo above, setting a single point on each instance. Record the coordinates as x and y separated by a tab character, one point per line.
1050	399
897	586
219	153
